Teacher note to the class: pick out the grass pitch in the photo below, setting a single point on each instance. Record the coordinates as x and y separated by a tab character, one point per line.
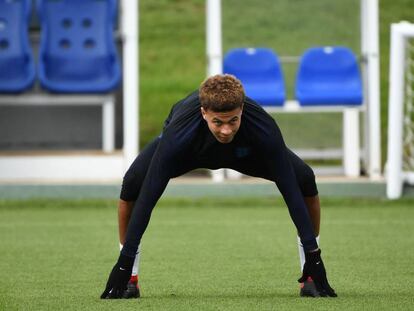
211	254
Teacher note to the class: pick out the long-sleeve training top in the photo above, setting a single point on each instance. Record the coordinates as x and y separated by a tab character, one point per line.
186	143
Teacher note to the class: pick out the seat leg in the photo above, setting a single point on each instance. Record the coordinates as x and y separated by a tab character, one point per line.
351	146
108	125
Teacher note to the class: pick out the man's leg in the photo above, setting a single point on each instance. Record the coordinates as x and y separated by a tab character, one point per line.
314	208
124	214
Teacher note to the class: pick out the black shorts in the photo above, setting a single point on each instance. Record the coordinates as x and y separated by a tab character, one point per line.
304	175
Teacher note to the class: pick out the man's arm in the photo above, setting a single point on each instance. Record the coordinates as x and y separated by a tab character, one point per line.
287	183
285	178
153	186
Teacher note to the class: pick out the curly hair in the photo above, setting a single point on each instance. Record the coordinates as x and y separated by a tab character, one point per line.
221	93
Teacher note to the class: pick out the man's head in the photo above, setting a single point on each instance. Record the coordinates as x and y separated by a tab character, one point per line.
221	98
221	93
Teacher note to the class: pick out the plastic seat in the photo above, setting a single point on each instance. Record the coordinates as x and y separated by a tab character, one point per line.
260	72
329	76
77	51
17	70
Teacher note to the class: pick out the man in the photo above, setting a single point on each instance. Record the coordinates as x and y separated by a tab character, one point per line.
217	127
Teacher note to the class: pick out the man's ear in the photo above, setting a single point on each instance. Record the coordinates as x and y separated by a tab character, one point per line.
203	113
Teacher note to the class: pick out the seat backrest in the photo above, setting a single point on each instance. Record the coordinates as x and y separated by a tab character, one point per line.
77	45
16	61
322	63
252	64
260	72
329	73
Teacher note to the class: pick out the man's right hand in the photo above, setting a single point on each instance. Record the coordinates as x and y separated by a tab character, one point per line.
118	278
315	269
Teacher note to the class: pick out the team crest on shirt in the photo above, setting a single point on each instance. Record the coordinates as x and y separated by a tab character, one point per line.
242	152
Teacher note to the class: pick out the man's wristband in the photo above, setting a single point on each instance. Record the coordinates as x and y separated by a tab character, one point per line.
310	245
313	257
125	262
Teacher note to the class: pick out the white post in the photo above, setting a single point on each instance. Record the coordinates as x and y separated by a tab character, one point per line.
351	144
395	110
214	53
129	28
214	47
364	27
370	11
365	82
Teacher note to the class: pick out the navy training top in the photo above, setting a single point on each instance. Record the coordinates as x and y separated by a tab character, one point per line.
186	143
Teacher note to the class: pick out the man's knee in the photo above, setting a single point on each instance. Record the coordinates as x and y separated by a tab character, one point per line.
307	181
130	186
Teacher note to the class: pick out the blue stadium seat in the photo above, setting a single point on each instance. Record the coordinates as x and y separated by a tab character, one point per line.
260	72
77	50
17	70
329	76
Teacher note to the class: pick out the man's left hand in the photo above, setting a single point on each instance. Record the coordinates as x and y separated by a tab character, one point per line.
315	269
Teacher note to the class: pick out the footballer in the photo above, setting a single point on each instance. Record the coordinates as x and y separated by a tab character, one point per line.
215	127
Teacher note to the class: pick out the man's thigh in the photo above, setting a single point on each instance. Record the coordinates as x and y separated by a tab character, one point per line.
135	175
304	175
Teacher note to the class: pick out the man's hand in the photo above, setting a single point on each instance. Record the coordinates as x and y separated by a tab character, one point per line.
118	279
315	269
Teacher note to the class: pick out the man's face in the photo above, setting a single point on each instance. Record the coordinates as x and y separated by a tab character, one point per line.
223	125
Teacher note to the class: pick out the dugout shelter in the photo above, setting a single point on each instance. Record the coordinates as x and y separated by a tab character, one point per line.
76	116
116	129
221	15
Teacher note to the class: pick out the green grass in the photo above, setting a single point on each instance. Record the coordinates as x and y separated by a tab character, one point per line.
172	47
210	254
